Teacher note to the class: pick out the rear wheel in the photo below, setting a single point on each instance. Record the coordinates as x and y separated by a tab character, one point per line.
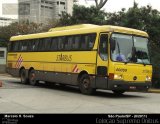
32	78
118	92
85	85
24	79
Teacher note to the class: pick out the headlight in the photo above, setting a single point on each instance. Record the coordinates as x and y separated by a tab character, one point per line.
118	76
148	78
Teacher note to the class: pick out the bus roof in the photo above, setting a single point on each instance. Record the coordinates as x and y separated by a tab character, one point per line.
80	29
73	27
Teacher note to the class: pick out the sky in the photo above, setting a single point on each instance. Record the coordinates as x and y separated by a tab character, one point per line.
111	5
117	5
8	16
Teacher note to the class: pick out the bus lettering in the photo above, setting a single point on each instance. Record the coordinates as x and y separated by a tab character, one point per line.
62	57
121	69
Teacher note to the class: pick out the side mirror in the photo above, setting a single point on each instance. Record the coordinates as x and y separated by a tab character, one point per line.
112	44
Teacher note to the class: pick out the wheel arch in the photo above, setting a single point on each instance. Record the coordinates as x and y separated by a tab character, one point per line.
21	70
31	68
80	75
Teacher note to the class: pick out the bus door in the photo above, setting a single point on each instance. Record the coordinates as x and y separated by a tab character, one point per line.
102	62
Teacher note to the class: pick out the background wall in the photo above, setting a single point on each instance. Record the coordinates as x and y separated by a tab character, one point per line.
3	52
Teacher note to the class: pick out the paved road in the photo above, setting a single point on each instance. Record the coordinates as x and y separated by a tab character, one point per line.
18	98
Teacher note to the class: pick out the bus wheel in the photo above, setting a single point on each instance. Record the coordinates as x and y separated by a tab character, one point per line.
118	92
24	79
85	85
32	78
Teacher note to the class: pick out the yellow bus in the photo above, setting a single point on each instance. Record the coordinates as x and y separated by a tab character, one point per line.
89	56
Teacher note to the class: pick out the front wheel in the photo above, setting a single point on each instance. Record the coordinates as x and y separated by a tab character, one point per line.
32	78
85	85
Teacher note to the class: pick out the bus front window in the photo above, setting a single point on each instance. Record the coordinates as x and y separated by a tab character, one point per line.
141	45
124	45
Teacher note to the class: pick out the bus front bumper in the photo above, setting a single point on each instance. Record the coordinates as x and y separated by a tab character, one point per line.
128	86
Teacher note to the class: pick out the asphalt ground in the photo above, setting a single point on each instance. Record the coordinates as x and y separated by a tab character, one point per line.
6	76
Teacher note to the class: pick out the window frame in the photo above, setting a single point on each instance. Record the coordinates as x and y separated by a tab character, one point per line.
107	42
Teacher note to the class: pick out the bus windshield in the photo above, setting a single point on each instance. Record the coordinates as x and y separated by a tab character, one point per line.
124	51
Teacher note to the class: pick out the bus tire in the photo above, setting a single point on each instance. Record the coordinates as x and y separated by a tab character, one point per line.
85	85
32	78
118	92
23	77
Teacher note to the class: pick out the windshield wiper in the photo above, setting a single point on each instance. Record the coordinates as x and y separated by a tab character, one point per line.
119	52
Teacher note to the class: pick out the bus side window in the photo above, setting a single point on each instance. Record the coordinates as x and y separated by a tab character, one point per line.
83	43
41	45
30	45
15	46
103	47
47	44
54	44
76	42
68	42
92	38
87	41
61	41
24	45
35	45
19	46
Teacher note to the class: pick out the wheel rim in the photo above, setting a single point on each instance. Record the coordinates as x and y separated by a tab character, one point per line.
86	83
32	77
